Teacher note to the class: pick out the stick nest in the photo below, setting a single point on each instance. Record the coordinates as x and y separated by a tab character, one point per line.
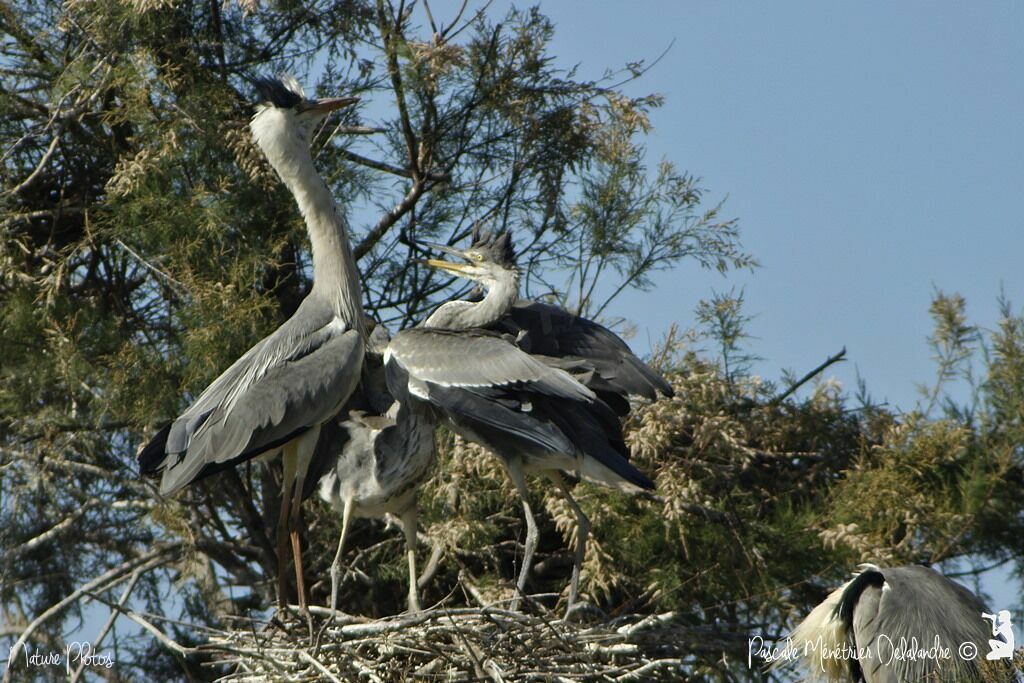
464	644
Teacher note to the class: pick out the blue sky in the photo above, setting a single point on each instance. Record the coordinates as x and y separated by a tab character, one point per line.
871	150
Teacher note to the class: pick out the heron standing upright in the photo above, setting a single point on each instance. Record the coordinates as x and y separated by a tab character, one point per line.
864	630
374	455
278	394
530	411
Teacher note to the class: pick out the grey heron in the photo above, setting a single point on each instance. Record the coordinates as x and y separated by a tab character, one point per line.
864	630
530	411
275	398
374	454
595	355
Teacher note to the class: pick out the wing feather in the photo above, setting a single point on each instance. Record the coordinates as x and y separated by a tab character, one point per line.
292	380
477	359
545	330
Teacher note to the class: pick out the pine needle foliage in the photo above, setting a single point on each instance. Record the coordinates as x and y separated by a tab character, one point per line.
144	245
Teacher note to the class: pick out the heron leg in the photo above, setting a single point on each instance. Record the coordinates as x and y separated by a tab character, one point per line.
515	471
409	527
300	583
304	445
582	532
284	519
346	516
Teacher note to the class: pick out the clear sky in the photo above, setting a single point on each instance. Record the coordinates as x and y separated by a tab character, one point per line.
872	151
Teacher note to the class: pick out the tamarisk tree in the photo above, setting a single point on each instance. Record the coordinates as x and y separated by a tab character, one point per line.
145	244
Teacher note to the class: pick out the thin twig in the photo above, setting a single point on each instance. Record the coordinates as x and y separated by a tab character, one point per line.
808	377
110	578
388	168
389	219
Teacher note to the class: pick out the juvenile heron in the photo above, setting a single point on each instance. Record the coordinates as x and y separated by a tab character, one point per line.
595	355
375	454
278	394
881	613
529	410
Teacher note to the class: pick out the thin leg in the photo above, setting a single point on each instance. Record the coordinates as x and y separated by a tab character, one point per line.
346	516
515	471
300	583
304	445
283	521
409	527
282	553
582	532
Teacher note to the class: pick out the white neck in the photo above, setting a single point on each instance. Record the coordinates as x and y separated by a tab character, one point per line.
501	295
335	276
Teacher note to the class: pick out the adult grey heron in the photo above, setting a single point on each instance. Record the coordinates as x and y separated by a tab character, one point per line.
865	629
529	410
275	398
374	454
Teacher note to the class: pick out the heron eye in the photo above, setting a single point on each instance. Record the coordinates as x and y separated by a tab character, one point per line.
479	258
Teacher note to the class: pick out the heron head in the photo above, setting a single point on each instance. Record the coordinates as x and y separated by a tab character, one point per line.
285	116
490	258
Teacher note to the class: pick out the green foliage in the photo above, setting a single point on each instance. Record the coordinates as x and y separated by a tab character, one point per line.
145	245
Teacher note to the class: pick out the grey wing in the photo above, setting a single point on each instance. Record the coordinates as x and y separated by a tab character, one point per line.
470	359
869	630
479	379
294	379
545	330
915	603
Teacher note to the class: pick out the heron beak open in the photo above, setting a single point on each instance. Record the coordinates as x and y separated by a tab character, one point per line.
329	104
462	269
443	248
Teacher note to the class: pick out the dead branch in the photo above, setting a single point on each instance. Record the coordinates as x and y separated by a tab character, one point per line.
108	579
464	644
808	377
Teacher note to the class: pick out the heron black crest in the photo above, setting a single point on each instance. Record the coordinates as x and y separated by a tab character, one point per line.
281	91
497	245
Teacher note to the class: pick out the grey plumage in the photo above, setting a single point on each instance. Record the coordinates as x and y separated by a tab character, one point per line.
491	392
374	455
278	394
883	612
286	384
481	360
547	412
604	362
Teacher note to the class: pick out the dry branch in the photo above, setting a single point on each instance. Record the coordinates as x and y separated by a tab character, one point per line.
465	644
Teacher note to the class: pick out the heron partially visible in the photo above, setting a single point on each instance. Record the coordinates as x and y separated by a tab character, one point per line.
275	398
533	412
865	628
375	454
595	355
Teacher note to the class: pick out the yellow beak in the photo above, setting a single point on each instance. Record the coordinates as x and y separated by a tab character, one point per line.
457	268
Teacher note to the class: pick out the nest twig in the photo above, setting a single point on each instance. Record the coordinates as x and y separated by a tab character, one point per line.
464	644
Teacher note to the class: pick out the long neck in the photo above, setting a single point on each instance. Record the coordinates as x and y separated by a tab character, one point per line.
335	276
462	315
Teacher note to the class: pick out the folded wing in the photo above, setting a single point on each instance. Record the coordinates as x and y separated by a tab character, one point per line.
294	379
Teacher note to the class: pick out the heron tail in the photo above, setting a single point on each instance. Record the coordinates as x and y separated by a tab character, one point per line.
151	456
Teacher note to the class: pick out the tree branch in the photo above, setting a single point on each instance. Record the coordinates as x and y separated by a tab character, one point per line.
808	377
109	578
388	168
390	218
